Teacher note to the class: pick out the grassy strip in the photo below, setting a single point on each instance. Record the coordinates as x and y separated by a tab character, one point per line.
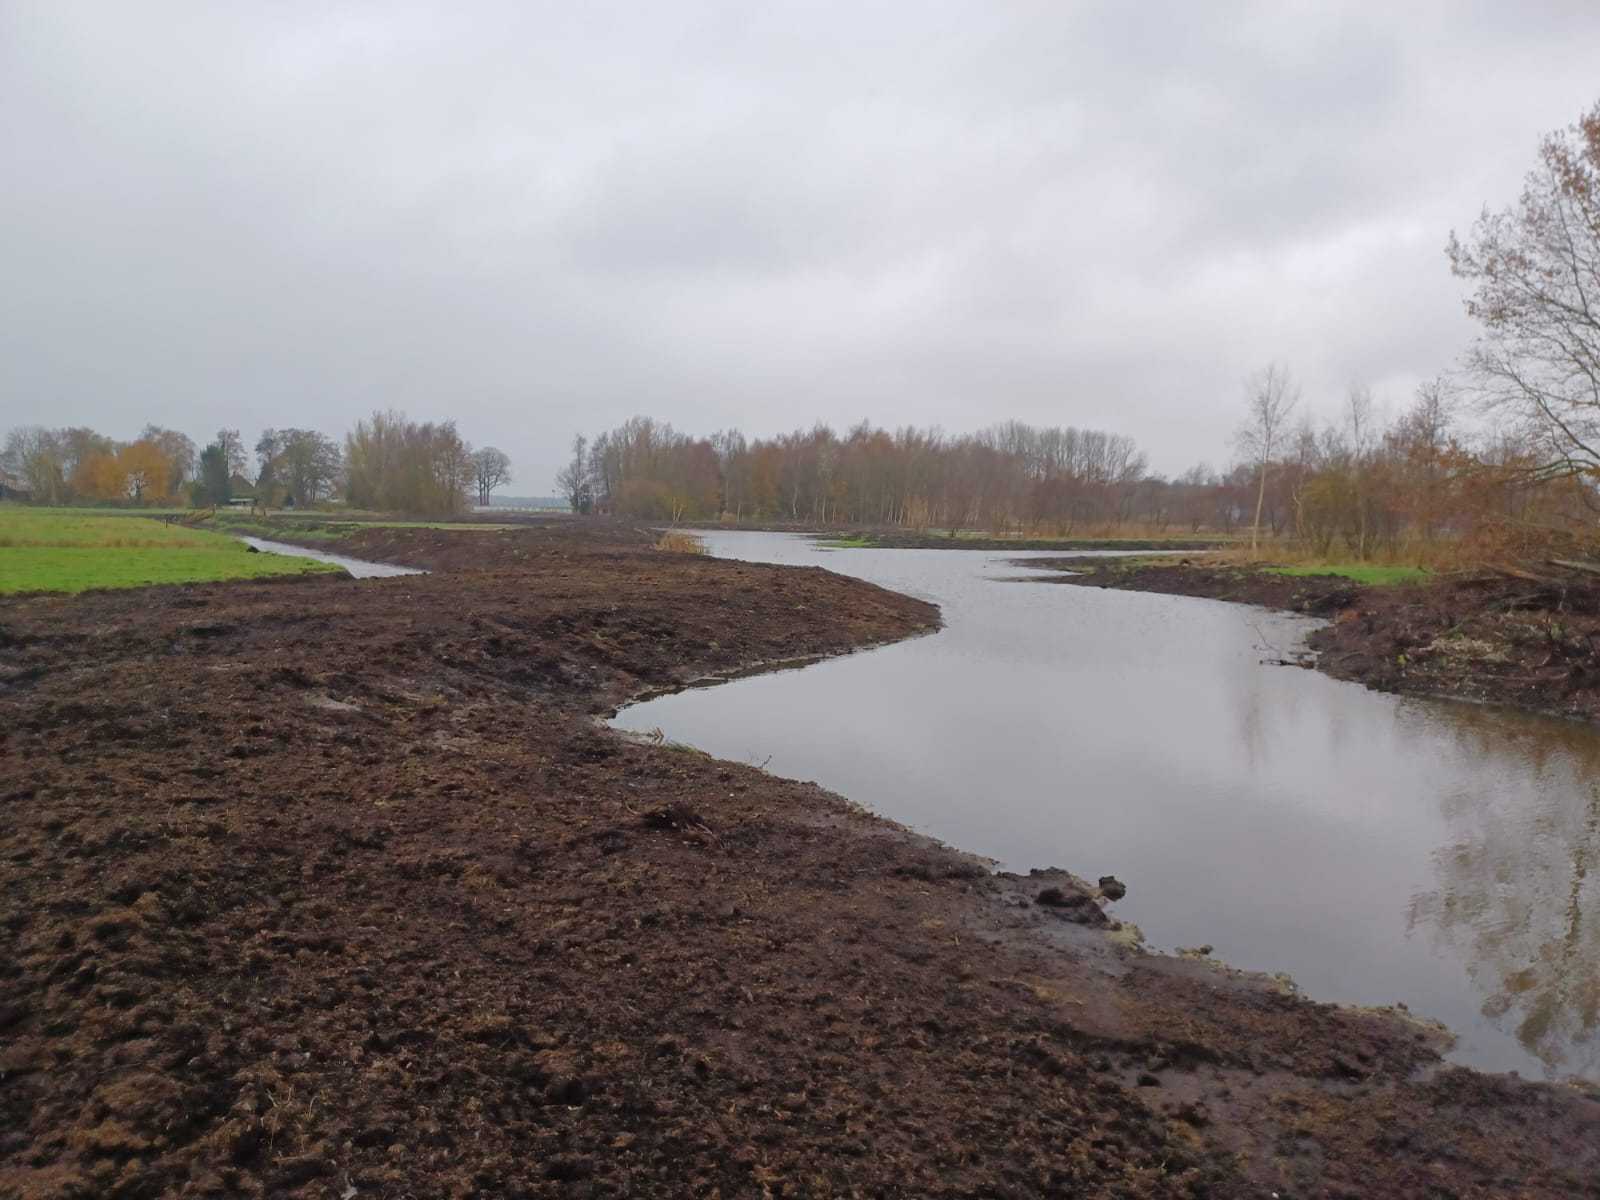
1366	573
70	569
39	528
44	550
300	531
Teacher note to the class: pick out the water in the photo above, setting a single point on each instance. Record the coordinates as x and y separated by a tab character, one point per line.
1376	849
358	567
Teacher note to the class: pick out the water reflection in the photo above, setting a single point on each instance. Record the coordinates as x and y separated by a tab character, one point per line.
1515	898
1376	849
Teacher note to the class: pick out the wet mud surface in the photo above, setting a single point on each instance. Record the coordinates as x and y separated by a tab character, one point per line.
335	888
901	539
1488	638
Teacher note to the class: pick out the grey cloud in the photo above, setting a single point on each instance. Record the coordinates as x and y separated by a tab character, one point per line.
541	219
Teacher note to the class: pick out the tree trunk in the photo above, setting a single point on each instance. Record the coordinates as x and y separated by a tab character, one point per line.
1261	499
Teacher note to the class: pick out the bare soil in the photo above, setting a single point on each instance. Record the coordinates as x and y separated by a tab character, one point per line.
903	539
328	888
1488	638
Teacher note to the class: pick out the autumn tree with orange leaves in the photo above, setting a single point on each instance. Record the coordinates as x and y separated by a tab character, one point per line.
140	471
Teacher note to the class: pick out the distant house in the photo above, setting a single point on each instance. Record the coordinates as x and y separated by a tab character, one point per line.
8	492
241	492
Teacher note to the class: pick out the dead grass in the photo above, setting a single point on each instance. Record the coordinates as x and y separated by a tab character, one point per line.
1490	546
678	542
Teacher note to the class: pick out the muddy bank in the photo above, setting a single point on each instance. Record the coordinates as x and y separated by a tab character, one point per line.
330	888
533	540
904	540
1491	639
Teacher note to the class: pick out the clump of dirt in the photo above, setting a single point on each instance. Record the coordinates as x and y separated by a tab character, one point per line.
1491	637
1313	594
335	888
528	541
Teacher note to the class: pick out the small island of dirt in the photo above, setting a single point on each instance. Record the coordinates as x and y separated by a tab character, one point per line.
1529	642
326	888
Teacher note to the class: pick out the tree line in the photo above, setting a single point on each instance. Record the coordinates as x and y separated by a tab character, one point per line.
1361	484
1005	475
386	462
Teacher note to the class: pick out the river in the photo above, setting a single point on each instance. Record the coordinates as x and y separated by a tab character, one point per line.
1376	849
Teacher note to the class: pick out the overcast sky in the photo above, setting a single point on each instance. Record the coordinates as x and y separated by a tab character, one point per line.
543	219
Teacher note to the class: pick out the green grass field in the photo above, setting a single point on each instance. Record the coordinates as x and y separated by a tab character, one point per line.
69	550
1360	572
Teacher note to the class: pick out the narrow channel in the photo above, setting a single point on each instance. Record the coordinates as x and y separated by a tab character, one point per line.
360	568
1374	848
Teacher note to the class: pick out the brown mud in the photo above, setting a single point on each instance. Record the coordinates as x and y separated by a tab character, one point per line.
1491	638
902	539
325	888
533	540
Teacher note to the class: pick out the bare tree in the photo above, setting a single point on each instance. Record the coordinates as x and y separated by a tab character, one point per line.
233	449
398	465
35	457
1428	421
1361	426
1421	439
1536	269
490	469
574	479
1270	400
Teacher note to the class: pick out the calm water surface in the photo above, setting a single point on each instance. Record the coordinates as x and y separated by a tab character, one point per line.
360	568
1377	849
